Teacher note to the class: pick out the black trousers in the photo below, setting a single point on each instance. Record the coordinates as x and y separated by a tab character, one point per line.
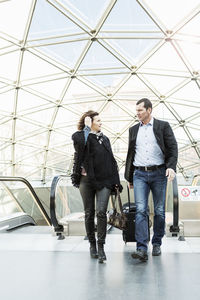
88	194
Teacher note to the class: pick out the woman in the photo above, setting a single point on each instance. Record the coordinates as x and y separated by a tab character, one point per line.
95	173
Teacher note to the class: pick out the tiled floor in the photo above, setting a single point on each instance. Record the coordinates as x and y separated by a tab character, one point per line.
35	265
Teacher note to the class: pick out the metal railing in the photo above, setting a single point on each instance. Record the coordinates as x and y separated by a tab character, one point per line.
174	228
58	228
32	192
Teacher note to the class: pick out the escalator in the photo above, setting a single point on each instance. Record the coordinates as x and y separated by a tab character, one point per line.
68	218
66	209
20	205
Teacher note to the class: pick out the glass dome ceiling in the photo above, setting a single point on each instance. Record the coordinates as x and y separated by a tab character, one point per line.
60	58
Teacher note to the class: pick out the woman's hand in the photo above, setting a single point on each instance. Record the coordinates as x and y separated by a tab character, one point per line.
88	121
119	187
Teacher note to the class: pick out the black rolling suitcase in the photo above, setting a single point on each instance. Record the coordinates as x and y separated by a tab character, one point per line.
129	210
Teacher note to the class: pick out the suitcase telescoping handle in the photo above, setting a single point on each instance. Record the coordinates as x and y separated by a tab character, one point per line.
129	202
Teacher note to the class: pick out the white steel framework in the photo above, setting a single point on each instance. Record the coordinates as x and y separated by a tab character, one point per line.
60	58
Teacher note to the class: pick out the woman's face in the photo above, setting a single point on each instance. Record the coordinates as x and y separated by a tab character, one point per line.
96	124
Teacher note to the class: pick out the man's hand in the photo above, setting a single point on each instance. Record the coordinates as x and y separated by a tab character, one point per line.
170	174
130	185
88	121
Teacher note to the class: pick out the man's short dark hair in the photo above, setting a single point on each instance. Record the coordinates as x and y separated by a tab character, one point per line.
147	103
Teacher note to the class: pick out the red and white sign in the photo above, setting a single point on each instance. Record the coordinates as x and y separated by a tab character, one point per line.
189	193
185	192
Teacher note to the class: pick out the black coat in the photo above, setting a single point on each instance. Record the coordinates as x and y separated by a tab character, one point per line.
97	159
165	139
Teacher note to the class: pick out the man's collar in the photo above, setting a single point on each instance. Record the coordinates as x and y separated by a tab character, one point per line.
150	122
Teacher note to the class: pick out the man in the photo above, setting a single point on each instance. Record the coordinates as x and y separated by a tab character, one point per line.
151	160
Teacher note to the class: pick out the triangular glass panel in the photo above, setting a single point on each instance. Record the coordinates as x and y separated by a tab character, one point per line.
87	10
194	128
80	108
23	153
33	139
133	50
114	118
120	147
6	152
185	111
6	132
66	147
106	81
9	64
7	102
191	51
99	58
128	15
191	30
65	53
56	139
5	45
27	171
128	104
47	90
53	24
188	158
181	136
167	11
43	117
59	162
35	159
25	130
134	88
35	67
64	116
13	19
6	170
163	113
79	91
28	102
162	84
158	64
188	96
188	40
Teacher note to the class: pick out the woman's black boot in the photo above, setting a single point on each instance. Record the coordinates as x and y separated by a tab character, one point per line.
101	253
93	250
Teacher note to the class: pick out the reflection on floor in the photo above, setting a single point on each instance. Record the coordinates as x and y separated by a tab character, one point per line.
35	265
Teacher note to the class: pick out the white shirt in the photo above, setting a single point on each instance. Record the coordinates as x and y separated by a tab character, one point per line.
148	152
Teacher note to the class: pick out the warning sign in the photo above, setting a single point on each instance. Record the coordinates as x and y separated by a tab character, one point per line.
189	193
185	192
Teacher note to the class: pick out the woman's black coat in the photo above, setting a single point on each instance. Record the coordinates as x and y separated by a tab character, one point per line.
101	173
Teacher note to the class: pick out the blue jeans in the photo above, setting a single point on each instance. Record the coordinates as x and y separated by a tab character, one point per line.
144	181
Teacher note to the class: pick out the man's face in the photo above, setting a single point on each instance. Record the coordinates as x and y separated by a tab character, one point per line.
143	114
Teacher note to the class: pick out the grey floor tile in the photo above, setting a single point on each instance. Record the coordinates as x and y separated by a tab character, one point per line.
38	266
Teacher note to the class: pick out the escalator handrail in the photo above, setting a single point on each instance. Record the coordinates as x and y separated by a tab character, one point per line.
32	191
175	205
58	227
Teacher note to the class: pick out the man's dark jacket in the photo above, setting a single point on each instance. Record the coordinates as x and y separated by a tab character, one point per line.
165	139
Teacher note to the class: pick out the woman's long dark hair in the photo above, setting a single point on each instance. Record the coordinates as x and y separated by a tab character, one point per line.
89	113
